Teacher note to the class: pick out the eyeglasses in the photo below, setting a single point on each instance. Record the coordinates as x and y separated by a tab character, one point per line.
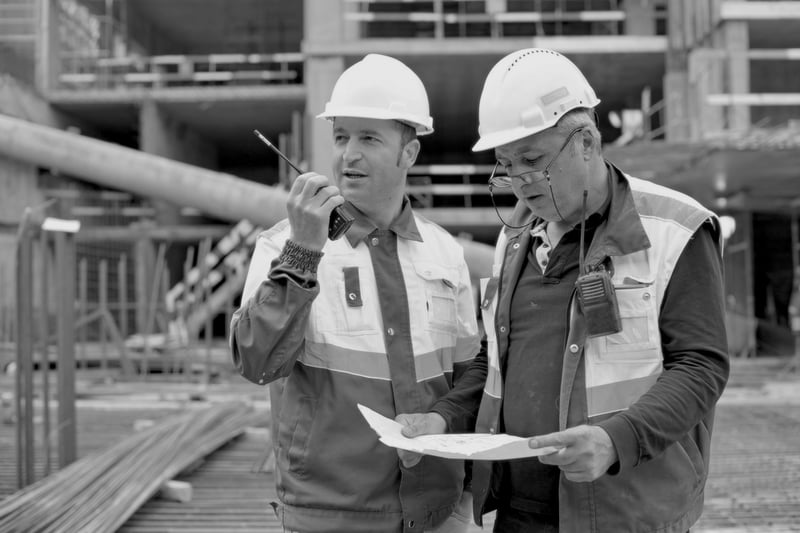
531	176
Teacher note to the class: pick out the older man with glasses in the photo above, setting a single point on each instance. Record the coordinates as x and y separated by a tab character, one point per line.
604	319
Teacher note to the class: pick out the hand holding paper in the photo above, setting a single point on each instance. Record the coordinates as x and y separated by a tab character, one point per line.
475	446
414	425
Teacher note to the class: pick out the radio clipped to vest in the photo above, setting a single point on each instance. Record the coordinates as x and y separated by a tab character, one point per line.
598	301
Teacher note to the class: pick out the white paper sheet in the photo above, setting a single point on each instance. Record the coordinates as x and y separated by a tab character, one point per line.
475	446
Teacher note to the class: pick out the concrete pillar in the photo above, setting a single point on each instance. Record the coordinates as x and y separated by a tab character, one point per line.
705	77
640	17
676	78
676	105
325	23
321	76
47	47
161	135
737	42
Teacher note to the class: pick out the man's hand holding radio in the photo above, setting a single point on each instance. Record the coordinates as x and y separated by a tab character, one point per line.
311	200
587	452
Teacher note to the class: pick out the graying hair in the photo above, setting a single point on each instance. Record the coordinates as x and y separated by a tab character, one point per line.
580	117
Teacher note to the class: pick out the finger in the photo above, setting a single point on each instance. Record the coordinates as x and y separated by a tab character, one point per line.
300	182
559	458
409	459
330	194
412	428
333	202
560	439
408	429
314	184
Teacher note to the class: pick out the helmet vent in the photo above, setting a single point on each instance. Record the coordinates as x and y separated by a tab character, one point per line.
530	52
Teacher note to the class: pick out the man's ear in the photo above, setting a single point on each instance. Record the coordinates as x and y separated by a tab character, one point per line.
409	154
588	143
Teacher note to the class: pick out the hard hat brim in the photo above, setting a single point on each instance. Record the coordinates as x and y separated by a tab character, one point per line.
424	126
499	138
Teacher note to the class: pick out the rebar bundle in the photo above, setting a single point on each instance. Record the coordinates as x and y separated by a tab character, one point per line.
100	492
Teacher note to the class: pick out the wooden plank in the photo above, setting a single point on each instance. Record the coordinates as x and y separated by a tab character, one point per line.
175	491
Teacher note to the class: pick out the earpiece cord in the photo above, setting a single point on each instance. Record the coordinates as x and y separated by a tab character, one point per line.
553	198
506	224
581	254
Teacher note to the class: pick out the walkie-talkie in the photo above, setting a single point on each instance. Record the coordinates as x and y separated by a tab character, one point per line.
598	301
340	220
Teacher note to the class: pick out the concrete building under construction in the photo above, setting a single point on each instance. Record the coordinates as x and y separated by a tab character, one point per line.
136	117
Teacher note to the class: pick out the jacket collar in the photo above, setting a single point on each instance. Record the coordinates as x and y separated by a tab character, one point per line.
621	231
403	225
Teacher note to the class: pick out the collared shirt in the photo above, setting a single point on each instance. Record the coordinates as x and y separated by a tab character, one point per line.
403	225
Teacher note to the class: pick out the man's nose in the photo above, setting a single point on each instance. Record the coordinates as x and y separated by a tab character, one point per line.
352	152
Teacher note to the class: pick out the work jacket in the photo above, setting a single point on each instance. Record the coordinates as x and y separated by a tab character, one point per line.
330	343
644	233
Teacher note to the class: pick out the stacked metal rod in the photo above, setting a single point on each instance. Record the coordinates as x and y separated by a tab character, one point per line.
100	492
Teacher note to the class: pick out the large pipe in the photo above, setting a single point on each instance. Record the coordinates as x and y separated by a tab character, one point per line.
214	193
217	194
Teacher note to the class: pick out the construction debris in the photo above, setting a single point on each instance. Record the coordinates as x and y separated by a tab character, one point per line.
101	491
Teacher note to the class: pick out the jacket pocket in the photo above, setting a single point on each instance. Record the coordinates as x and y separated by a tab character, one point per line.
639	338
694	455
294	431
334	310
441	288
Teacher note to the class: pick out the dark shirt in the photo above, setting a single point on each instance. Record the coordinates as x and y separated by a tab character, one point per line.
538	328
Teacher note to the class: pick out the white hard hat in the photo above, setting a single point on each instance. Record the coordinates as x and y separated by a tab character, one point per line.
381	87
529	91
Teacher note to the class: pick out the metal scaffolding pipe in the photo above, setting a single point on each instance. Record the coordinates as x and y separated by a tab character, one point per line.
216	194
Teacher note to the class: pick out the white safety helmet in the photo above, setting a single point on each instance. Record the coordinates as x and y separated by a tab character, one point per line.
381	87
529	91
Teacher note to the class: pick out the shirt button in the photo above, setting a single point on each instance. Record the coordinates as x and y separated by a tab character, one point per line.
502	329
573	348
491	430
544	262
646	296
411	523
374	241
516	245
390	331
352	296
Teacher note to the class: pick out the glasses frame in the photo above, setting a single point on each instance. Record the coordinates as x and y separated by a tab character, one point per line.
504	182
499	183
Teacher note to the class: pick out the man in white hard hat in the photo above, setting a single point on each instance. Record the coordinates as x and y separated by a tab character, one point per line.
383	317
604	321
